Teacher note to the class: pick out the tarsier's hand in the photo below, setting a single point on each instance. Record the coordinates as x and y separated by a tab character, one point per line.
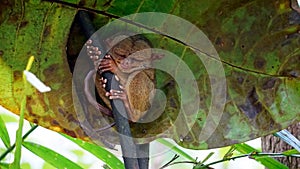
107	64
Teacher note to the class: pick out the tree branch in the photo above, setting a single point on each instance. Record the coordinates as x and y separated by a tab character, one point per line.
129	149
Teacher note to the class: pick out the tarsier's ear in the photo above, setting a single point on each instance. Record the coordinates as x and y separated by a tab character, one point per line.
156	56
108	43
112	41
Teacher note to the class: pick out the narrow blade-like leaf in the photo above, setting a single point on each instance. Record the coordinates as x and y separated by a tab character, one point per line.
175	149
207	157
266	161
4	165
101	153
291	152
50	156
4	134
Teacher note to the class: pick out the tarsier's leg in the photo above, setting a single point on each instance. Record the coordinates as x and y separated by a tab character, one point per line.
92	100
119	94
89	96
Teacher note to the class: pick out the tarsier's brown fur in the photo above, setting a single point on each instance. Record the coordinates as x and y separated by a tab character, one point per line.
137	77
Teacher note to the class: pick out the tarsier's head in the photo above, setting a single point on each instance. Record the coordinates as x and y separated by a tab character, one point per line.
132	53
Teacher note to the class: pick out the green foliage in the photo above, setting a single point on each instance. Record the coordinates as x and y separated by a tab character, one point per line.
26	166
4	134
17	157
259	54
111	160
175	149
290	152
266	161
4	166
50	156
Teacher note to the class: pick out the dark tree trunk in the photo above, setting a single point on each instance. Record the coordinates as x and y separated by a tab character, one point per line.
273	144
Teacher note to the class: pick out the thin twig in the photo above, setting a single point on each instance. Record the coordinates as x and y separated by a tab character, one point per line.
250	155
169	163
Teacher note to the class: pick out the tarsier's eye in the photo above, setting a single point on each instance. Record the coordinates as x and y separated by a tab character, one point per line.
134	60
119	56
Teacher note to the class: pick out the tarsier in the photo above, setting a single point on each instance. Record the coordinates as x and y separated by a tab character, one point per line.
130	61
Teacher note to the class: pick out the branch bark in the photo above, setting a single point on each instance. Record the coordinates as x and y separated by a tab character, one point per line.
130	150
272	144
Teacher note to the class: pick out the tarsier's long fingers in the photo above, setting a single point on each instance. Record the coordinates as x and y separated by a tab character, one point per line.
107	64
116	94
105	67
117	78
103	82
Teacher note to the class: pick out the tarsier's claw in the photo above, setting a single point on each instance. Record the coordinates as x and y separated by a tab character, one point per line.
89	42
117	78
94	57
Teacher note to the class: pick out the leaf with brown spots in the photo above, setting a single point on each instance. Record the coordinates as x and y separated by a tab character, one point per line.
257	41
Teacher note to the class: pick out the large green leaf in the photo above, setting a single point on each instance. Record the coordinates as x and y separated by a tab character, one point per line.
39	29
257	41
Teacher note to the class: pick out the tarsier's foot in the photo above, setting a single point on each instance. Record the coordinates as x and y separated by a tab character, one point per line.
120	94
